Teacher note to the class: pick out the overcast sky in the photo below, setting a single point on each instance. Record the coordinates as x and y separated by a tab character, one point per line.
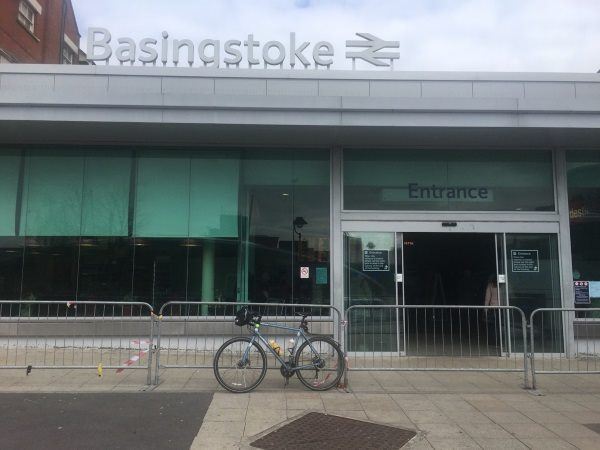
496	35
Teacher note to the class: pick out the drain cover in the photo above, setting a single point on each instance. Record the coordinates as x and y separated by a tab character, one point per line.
318	431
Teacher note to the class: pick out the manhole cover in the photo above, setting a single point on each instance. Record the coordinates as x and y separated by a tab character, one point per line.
594	427
318	431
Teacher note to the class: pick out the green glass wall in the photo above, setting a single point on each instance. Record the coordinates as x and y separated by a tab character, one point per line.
583	178
448	180
164	224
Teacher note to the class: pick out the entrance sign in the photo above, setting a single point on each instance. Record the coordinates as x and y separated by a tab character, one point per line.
447	192
213	53
415	192
376	260
582	292
525	260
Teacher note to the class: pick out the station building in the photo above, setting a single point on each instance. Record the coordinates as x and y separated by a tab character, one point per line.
299	186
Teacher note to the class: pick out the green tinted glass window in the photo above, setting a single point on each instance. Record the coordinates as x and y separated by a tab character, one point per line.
448	180
106	194
52	194
162	194
10	162
214	186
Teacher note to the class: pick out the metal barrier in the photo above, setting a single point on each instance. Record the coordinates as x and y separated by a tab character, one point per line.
76	335
565	340
190	333
436	338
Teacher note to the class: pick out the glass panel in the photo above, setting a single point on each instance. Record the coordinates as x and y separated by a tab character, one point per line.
534	282
212	270
310	226
162	195
105	269
452	180
106	194
370	280
11	263
52	193
269	213
214	186
166	224
285	199
583	176
160	270
50	268
10	163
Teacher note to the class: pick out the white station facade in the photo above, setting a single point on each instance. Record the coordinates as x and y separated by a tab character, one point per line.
299	186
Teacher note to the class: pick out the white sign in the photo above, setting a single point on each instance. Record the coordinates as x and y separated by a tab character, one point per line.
233	52
304	272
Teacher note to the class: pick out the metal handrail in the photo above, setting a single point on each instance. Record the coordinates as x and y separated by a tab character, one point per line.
335	317
514	309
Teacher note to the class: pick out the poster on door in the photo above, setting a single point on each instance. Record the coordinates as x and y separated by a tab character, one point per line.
525	260
582	292
376	260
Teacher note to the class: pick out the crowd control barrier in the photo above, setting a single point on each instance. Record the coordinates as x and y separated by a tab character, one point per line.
436	338
37	334
564	340
190	333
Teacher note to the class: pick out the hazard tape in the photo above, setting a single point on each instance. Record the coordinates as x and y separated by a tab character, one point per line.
140	354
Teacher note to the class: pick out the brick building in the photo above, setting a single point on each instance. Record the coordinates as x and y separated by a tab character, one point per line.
39	31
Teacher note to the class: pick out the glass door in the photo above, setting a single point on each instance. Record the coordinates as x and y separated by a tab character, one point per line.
533	281
370	280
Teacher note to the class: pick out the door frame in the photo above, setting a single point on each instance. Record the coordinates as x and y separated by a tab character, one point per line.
451	226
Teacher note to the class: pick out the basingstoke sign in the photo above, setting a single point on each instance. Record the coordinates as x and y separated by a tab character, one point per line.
212	53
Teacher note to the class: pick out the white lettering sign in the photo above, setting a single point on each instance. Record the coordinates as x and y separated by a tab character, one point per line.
232	53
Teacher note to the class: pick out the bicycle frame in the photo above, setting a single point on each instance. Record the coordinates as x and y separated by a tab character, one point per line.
257	336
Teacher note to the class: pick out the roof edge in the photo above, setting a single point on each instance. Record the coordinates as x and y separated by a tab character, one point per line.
308	74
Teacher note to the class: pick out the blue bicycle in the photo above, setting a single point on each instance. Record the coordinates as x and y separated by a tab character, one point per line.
240	364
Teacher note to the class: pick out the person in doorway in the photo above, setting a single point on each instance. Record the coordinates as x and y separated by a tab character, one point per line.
491	292
492	316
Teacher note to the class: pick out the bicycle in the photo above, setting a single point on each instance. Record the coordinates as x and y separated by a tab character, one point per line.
240	364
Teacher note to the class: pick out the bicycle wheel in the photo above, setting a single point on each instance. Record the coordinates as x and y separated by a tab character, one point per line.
235	372
326	363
